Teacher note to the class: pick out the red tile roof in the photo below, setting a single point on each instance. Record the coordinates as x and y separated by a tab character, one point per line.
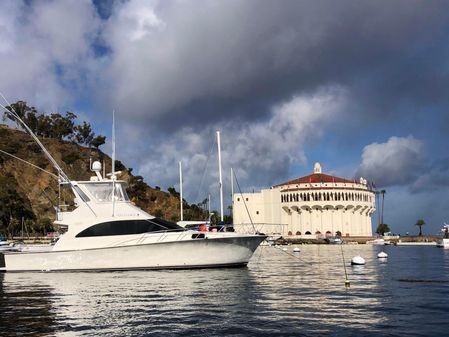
317	178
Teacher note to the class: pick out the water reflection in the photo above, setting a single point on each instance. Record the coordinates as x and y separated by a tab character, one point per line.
26	310
276	294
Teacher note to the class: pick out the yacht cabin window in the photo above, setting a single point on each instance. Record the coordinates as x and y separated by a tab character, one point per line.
127	227
102	192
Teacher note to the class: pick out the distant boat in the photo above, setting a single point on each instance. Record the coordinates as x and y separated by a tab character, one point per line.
444	242
334	240
4	245
272	238
376	242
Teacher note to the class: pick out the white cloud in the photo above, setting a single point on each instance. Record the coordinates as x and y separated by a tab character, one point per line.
399	161
45	47
261	153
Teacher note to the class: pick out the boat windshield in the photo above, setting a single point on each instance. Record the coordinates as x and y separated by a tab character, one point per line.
102	192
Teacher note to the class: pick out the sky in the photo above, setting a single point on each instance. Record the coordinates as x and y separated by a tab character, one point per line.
360	86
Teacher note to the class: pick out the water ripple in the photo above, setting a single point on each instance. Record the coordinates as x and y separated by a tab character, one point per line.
278	294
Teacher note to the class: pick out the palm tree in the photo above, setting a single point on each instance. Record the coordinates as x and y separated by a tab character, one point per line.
383	199
378	207
420	223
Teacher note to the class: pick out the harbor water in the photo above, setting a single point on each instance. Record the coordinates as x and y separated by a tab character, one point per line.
279	293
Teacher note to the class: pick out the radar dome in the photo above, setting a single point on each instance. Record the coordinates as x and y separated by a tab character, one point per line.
96	166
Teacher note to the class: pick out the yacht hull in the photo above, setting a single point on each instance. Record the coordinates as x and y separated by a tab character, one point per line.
196	253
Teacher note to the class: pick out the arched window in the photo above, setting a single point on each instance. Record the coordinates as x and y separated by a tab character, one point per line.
308	233
317	232
290	233
298	233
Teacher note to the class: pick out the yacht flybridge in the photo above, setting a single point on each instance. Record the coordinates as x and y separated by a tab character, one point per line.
106	231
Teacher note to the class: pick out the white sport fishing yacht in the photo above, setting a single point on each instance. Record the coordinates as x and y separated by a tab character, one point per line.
106	231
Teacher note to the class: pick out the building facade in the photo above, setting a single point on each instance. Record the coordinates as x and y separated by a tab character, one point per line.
317	205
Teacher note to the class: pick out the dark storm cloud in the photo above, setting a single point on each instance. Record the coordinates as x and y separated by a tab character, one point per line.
435	178
273	76
233	59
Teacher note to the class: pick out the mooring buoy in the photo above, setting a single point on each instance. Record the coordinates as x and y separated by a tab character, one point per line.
382	255
358	260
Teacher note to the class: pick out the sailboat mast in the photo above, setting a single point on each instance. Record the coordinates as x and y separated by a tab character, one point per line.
113	162
180	190
232	186
232	192
208	207
220	176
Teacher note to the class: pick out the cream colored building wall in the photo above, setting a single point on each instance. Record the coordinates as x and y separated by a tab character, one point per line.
350	217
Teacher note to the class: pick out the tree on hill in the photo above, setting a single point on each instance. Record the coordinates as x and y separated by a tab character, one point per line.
382	229
62	126
98	141
137	189
55	125
420	223
84	134
173	191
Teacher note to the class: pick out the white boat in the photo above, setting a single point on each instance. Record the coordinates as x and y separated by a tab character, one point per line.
3	242
444	242
106	231
377	242
334	240
4	245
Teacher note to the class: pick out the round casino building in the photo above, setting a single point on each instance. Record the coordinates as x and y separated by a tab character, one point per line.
315	205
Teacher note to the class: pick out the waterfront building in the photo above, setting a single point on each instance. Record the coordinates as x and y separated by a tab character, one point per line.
317	205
